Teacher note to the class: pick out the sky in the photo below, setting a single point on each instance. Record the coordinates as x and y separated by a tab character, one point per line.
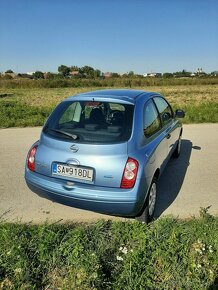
110	35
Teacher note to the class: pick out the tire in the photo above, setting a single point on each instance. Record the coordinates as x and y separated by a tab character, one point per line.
148	212
177	151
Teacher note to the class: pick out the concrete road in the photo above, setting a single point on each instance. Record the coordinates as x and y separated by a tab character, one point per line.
186	185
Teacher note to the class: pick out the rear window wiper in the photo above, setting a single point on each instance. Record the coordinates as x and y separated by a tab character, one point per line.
73	136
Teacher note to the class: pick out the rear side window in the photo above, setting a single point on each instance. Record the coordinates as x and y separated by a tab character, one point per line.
91	122
164	109
72	113
151	119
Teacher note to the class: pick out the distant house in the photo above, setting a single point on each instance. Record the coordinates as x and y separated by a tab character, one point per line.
214	73
153	75
46	75
107	75
200	72
12	75
74	73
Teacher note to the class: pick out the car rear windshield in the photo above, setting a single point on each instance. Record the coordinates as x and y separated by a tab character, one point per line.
91	122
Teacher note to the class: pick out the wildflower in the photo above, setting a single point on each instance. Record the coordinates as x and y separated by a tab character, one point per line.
210	249
124	250
199	247
95	275
119	258
199	266
198	250
18	270
9	252
131	250
211	272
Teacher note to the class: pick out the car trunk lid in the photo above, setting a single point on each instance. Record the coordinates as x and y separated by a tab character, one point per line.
106	161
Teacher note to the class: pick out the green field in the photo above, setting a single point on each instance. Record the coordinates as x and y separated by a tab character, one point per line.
22	107
167	254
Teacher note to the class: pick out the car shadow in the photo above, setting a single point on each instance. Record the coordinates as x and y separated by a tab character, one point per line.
171	180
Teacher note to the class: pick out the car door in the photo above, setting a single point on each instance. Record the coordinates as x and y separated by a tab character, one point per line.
168	122
156	143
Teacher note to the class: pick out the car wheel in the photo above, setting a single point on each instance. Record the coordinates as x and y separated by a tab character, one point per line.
148	211
177	151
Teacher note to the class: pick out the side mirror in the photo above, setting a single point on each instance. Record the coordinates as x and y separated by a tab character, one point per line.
179	113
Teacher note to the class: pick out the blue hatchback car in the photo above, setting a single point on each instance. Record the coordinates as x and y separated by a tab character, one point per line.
104	151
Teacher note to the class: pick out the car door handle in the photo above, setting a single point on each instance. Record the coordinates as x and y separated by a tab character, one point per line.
168	136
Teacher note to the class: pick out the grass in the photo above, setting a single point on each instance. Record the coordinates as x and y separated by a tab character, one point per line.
110	82
167	254
16	114
31	106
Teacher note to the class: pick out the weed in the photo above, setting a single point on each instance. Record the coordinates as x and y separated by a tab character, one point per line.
167	254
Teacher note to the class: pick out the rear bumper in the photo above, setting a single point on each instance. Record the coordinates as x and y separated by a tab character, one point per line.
112	201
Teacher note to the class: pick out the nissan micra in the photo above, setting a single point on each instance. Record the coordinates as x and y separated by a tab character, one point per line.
104	151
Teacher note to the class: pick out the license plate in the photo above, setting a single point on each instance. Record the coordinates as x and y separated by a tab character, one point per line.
72	171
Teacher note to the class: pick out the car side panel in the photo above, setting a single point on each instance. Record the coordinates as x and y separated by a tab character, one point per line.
152	153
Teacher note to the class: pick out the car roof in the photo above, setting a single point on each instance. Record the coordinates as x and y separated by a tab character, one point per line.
127	95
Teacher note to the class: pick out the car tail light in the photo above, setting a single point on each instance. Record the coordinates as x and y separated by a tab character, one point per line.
31	158
129	173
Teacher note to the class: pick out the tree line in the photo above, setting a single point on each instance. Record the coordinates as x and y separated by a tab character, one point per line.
88	72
